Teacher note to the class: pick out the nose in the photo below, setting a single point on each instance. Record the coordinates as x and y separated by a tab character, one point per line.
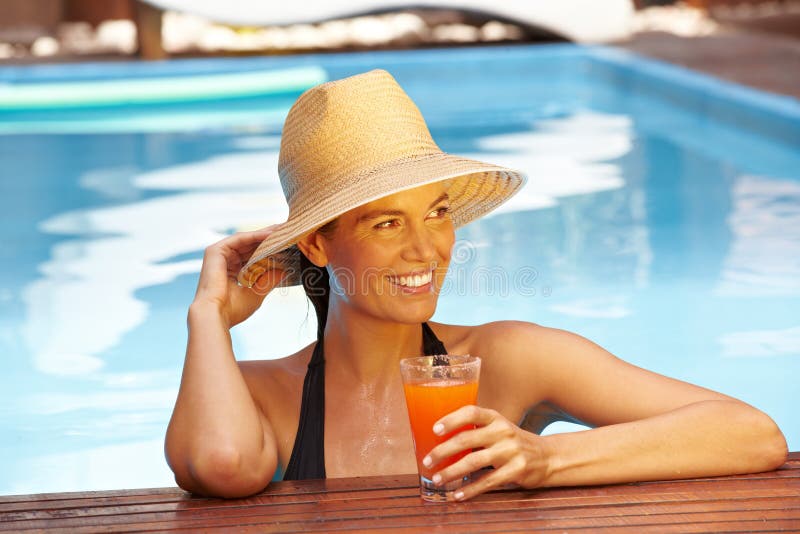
420	245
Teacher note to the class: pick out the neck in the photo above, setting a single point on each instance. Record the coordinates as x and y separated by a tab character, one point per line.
368	349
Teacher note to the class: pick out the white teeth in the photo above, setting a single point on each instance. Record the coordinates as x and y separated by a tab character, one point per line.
415	280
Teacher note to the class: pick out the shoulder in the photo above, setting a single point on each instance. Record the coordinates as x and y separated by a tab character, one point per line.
273	383
517	354
502	338
513	367
292	364
506	348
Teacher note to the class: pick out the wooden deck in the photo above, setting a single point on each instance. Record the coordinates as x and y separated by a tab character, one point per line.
765	61
747	503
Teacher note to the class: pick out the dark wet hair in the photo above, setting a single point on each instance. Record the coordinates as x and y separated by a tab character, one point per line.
316	283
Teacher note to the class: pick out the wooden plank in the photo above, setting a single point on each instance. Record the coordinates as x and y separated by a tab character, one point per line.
43	497
295	487
329	489
307	486
277	493
772	526
482	522
156	503
205	506
620	493
421	515
387	500
472	522
377	505
300	487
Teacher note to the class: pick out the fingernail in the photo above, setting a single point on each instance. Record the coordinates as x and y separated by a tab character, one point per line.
458	495
427	461
438	428
437	478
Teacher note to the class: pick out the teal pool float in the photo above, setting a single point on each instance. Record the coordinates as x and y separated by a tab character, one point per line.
186	88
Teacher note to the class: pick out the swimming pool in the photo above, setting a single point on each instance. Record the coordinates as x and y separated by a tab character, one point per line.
662	220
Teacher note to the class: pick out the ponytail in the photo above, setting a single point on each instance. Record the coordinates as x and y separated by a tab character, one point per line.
316	283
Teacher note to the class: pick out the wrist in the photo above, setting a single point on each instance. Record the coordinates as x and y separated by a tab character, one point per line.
201	311
553	462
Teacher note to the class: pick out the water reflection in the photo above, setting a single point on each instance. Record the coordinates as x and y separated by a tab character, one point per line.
87	277
762	343
583	218
562	157
129	464
764	255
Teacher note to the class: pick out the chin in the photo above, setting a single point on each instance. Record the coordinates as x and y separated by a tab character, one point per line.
406	306
413	313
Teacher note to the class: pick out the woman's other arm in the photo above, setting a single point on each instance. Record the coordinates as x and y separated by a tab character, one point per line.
218	441
649	427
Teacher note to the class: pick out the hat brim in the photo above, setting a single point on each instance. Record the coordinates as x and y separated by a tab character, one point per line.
475	189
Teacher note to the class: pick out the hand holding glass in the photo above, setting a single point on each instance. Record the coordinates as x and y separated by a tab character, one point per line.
434	387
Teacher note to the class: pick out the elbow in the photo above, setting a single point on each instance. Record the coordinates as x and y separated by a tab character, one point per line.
776	449
770	449
223	472
219	471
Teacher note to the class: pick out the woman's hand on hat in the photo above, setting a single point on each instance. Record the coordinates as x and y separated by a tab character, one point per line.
221	263
519	457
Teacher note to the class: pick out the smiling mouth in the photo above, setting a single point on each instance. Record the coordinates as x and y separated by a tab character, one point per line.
412	281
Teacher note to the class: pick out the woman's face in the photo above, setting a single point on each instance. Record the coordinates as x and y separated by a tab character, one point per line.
389	257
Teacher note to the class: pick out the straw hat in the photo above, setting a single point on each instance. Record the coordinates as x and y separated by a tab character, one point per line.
351	141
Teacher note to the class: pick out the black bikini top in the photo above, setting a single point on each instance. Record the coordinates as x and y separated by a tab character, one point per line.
308	454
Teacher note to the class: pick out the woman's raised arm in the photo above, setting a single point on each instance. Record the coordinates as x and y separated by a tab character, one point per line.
218	441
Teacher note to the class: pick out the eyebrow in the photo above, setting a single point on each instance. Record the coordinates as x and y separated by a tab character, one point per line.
396	213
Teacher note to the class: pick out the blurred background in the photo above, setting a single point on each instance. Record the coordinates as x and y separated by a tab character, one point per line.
701	34
33	30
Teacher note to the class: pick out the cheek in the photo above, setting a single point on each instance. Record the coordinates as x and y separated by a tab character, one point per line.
445	244
357	268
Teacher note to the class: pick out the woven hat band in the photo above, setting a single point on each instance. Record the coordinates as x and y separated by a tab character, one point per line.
338	131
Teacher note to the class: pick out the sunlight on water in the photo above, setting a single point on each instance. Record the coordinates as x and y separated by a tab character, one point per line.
98	467
764	256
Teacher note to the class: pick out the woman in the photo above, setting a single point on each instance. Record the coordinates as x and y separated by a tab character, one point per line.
373	208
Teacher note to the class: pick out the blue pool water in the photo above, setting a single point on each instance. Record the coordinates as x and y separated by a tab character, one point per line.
662	220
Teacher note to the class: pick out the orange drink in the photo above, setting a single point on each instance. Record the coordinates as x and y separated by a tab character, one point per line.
434	387
427	403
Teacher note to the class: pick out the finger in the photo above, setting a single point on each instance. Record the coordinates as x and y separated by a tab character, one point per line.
472	462
491	480
247	242
464	416
243	242
267	281
466	440
237	252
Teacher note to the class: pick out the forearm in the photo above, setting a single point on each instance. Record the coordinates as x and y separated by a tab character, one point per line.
706	438
216	440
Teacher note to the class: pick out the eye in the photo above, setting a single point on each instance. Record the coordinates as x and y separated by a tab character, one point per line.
386	224
439	212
